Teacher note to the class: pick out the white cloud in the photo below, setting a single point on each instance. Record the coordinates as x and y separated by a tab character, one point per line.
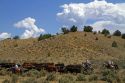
4	35
31	30
100	14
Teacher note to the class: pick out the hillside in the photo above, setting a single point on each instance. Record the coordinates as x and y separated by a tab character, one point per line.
69	48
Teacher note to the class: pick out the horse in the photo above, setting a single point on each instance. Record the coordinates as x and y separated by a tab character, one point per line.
18	70
87	68
110	66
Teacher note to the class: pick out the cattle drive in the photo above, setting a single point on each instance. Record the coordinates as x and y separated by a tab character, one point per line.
86	66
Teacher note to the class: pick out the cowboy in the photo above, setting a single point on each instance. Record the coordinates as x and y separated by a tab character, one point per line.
16	66
111	63
87	64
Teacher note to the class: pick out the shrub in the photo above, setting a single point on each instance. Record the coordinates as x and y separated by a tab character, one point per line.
117	33
108	75
105	32
114	44
88	28
99	32
15	45
65	30
51	77
6	81
66	79
123	36
81	77
93	78
14	79
30	80
42	81
109	36
85	34
3	72
43	73
16	37
73	28
45	36
96	38
32	73
94	32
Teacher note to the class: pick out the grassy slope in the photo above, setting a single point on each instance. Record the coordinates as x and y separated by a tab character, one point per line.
69	48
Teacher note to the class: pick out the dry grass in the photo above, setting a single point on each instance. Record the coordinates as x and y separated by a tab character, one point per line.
72	48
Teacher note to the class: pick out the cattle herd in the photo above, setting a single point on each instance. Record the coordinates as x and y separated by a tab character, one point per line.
51	67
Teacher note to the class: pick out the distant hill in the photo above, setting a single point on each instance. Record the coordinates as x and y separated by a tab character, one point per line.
73	47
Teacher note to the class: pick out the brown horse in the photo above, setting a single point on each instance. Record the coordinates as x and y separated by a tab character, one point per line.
18	70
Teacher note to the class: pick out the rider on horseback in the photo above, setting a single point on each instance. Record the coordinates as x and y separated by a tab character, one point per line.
16	66
87	64
111	63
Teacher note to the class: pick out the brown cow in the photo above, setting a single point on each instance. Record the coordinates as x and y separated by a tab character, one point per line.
28	65
50	67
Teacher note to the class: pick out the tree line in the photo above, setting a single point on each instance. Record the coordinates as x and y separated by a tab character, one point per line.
74	28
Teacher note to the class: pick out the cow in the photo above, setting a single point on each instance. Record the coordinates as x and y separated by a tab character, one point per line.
50	67
60	67
28	66
6	65
39	66
73	68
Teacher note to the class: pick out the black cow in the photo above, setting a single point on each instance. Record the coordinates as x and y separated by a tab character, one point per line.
39	66
6	65
60	67
73	68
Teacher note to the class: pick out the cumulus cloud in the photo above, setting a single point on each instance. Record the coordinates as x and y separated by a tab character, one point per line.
98	13
31	30
4	35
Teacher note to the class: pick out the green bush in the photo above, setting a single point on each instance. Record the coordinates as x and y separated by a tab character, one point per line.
88	28
95	32
16	37
14	79
66	79
65	30
81	77
32	73
73	28
6	81
109	36
45	36
117	33
114	44
105	32
51	77
30	80
42	81
123	36
43	73
93	78
108	75
3	72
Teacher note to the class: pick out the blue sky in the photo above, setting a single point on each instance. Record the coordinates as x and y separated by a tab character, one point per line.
43	11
